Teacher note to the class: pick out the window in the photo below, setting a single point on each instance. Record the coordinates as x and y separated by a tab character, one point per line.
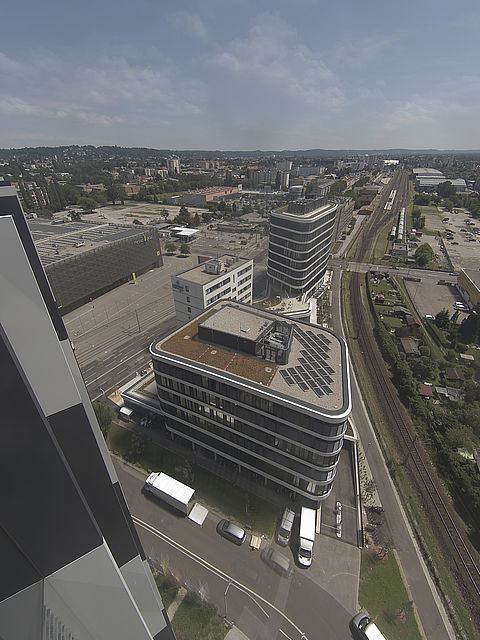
189	309
187	289
188	299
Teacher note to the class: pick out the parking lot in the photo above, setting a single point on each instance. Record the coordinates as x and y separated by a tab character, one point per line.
464	247
57	241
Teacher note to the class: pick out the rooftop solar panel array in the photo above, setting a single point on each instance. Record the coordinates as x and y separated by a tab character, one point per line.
313	371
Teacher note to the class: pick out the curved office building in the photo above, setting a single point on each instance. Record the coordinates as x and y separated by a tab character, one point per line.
268	394
300	243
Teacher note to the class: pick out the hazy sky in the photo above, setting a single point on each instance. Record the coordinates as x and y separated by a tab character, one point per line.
240	74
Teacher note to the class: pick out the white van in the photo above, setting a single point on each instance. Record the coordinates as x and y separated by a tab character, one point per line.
367	629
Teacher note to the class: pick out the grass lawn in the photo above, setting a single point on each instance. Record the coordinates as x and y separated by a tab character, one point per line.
245	508
168	588
390	321
383	595
197	620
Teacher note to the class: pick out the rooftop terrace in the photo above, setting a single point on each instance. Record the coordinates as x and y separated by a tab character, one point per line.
315	374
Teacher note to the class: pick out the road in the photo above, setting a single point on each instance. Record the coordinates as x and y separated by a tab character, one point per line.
262	604
112	333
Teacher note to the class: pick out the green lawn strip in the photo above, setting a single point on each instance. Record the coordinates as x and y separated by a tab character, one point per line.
383	595
238	504
167	586
198	620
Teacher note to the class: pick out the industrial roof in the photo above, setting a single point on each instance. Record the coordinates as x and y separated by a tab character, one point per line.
56	242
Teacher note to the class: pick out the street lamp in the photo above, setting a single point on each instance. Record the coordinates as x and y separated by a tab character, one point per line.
225	600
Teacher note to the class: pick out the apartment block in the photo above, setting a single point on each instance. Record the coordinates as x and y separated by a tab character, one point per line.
196	288
268	395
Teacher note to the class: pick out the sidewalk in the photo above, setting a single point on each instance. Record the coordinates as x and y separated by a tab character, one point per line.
233	634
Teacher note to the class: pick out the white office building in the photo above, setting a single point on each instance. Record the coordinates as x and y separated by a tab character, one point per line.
196	288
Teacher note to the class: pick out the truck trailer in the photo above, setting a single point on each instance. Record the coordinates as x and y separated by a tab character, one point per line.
174	493
308	522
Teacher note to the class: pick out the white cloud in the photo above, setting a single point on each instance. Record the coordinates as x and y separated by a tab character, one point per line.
110	92
191	24
361	52
272	57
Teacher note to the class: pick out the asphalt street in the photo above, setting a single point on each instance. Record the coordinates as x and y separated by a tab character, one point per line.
246	590
112	333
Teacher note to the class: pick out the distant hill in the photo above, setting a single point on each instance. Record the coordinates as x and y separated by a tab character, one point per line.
90	152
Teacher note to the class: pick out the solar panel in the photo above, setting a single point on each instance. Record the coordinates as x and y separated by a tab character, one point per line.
302	386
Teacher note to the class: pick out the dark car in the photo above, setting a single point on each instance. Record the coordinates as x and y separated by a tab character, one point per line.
231	532
277	561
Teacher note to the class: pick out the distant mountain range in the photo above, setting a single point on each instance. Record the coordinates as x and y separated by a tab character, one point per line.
141	153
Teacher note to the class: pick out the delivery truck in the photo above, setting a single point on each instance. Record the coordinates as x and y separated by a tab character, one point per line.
171	491
308	522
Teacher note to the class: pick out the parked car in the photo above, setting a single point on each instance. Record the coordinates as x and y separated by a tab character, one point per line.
285	529
277	561
231	532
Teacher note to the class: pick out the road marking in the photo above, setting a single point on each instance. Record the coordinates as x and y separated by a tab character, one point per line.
222	574
282	631
88	384
241	587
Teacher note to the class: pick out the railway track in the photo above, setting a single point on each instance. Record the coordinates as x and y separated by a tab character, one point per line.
460	555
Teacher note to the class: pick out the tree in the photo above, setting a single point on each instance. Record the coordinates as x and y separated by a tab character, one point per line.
164	213
138	443
170	247
196	220
185	249
424	368
116	192
422	199
104	417
183	216
442	319
338	188
446	189
424	254
469	330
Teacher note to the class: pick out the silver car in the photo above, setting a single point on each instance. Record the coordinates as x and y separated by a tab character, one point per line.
231	532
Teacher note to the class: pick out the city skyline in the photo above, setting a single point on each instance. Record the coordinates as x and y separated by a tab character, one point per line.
243	76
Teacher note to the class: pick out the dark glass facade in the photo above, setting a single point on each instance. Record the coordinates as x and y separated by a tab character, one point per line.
290	448
299	247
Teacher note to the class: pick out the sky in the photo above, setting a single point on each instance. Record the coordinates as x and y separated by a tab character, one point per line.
241	74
